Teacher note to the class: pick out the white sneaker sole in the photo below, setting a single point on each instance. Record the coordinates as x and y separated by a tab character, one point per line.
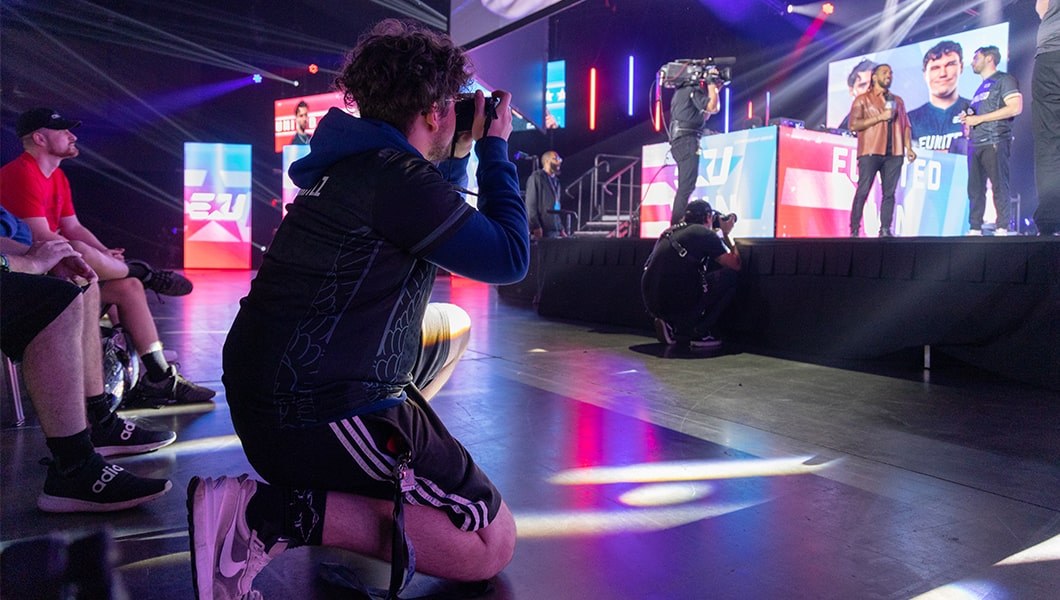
139	449
59	504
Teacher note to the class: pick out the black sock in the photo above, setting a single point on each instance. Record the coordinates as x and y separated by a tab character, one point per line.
297	515
71	452
139	270
100	411
304	517
156	365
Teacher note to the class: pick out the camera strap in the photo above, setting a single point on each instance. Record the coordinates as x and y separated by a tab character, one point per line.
677	247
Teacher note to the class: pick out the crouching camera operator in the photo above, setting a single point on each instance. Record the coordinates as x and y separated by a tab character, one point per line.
690	277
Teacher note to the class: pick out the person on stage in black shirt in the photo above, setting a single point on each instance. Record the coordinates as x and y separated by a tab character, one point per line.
690	108
937	122
690	277
995	104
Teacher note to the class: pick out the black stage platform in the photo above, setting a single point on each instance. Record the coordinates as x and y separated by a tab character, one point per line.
993	303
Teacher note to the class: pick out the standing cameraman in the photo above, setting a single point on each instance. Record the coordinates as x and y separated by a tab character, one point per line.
690	277
693	103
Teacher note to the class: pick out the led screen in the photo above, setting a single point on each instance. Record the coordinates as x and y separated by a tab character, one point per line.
737	173
216	206
948	80
285	121
556	94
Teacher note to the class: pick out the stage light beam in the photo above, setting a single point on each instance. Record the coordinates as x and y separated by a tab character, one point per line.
256	77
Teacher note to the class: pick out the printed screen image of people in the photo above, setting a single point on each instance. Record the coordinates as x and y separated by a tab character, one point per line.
295	118
934	77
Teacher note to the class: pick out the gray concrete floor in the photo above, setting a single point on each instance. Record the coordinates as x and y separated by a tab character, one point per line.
638	473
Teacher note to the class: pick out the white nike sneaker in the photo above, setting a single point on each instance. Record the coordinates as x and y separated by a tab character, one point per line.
226	554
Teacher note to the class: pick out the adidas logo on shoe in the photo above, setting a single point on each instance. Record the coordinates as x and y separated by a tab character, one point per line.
109	473
115	436
127	431
96	486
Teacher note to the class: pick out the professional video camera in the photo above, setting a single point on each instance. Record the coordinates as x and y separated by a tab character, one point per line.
465	111
694	71
716	218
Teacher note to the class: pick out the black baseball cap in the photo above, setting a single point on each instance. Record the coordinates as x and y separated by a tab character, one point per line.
697	212
42	118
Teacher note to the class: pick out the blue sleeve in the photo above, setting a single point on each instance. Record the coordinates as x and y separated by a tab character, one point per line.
14	228
493	245
455	171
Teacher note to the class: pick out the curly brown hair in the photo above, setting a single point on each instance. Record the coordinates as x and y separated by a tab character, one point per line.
398	70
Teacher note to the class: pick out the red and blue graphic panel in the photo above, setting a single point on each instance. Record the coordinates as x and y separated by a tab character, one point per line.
217	206
818	175
737	174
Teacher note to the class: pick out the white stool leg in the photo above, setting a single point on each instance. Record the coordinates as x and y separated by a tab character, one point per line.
16	393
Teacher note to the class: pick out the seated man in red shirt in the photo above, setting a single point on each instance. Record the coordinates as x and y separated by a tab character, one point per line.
37	192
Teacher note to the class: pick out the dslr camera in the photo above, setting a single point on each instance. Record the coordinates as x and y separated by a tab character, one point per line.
465	111
716	218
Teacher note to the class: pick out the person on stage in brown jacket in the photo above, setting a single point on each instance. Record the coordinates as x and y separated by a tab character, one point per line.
882	125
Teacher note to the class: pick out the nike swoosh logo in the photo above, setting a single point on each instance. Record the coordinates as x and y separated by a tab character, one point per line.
230	568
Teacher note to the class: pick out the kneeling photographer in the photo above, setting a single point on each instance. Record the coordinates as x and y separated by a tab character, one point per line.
690	277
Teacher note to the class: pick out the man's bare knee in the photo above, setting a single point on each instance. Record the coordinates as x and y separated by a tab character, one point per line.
106	266
499	539
122	291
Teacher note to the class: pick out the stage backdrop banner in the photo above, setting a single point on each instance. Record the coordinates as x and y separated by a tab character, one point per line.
818	176
737	174
216	206
290	190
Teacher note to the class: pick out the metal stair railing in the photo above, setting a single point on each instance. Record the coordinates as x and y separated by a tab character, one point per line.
612	200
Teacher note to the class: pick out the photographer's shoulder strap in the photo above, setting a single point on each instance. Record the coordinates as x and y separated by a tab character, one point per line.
669	235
